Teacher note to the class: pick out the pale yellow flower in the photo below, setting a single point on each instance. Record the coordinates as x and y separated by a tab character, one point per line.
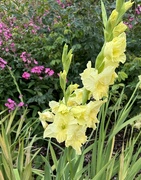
76	137
114	51
107	76
59	128
79	114
54	106
50	131
92	110
63	108
89	77
72	87
120	28
46	116
98	84
44	124
75	98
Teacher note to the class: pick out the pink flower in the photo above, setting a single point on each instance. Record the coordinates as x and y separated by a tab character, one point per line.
49	71
33	31
130	26
23	56
37	69
10	104
20	104
2	63
6	49
35	62
131	19
26	75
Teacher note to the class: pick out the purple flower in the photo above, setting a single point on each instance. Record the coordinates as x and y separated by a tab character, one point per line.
26	75
2	63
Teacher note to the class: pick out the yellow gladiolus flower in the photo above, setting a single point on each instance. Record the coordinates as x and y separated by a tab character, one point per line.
107	76
114	51
46	116
44	124
92	110
98	84
76	137
79	114
75	98
120	28
54	106
63	109
59	128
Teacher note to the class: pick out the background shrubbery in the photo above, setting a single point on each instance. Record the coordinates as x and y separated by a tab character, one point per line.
32	35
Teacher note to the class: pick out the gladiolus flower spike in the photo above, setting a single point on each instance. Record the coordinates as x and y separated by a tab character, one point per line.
68	119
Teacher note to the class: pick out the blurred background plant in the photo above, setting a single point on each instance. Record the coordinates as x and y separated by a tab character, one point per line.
32	35
32	40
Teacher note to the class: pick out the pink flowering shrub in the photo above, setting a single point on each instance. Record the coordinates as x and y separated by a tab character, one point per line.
22	49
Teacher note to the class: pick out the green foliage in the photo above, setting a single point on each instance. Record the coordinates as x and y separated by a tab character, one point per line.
16	144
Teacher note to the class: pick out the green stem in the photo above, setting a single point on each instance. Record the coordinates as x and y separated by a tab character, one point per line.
15	82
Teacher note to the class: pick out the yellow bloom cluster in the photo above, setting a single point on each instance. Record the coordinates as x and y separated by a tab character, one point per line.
69	123
113	53
97	80
70	117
